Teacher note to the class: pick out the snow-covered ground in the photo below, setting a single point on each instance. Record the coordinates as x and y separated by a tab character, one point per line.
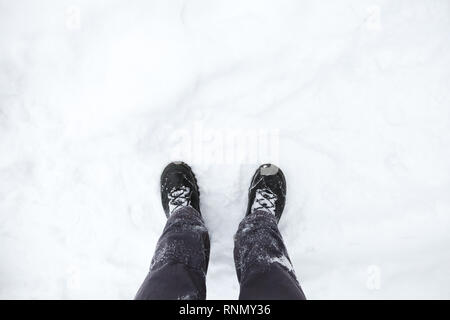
350	98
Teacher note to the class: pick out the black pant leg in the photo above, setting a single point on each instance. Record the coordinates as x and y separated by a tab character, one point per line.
179	265
263	266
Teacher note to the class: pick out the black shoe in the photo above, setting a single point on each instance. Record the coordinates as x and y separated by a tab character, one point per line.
179	188
267	191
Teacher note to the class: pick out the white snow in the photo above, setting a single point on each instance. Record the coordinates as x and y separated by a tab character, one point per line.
284	261
350	98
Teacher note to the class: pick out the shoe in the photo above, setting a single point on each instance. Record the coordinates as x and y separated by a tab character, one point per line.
267	191
179	188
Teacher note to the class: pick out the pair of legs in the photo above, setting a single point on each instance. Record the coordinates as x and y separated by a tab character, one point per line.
179	265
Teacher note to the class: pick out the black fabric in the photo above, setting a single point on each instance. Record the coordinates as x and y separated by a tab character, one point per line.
179	265
180	262
263	267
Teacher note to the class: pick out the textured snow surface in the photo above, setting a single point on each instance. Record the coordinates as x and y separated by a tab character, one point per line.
350	98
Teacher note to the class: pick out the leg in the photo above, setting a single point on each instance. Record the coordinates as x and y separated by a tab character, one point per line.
179	266
263	266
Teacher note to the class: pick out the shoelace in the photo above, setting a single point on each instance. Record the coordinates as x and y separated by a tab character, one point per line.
179	197
264	200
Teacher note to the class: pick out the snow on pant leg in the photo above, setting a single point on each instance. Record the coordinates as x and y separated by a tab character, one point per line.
263	266
179	265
